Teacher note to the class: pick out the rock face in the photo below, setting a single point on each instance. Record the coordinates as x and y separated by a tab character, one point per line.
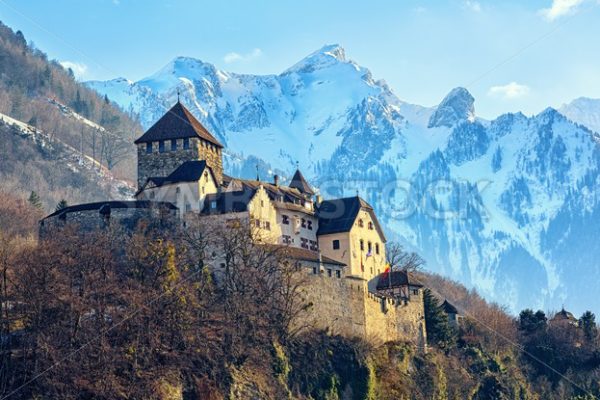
457	106
508	206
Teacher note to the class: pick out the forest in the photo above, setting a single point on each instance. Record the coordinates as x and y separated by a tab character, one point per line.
111	314
42	93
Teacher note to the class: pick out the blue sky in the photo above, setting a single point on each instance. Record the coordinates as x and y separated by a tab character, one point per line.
511	54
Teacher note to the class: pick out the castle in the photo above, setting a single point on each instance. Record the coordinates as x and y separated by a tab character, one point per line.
340	242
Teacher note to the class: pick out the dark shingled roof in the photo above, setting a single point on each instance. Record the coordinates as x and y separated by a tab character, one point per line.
301	254
177	123
339	215
564	315
104	206
189	171
393	279
228	202
301	184
449	308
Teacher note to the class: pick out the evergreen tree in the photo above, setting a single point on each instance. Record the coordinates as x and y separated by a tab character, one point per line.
106	101
34	200
587	322
531	322
439	331
61	204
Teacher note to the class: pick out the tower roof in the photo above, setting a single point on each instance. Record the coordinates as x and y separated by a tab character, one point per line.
177	123
449	308
301	184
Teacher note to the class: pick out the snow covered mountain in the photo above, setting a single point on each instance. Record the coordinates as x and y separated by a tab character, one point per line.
584	111
507	206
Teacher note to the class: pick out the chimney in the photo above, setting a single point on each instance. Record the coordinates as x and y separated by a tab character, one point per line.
276	180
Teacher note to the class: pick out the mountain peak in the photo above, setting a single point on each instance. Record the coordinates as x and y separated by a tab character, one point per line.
457	106
327	56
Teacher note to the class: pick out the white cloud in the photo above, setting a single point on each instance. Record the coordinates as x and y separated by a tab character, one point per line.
79	69
473	5
511	90
560	8
236	57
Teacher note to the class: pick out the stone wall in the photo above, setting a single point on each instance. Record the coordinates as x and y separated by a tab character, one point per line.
126	215
157	164
346	307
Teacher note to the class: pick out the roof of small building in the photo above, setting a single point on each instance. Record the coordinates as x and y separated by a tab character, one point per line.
301	254
177	123
278	193
104	206
298	182
449	308
189	171
338	215
564	315
396	278
228	202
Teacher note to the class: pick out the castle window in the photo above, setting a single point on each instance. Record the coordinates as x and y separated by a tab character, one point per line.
315	270
161	146
205	176
186	143
257	223
329	272
286	239
336	244
304	243
177	190
369	247
203	190
303	223
338	273
377	248
415	292
362	245
370	225
309	225
361	223
267	225
148	148
173	144
152	195
285	220
188	207
313	245
262	203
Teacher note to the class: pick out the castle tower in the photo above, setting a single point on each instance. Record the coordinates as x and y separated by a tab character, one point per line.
175	138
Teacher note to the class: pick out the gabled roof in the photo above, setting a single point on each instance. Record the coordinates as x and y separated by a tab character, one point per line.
275	193
228	202
564	315
177	123
338	215
393	279
448	308
298	182
189	171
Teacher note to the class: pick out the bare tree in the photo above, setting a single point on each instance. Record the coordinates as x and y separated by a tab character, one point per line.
400	259
113	148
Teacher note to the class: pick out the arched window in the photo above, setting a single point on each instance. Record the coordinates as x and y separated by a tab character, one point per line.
362	245
370	225
377	248
361	223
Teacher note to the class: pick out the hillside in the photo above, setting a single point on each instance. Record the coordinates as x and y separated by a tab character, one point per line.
58	138
175	333
506	206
